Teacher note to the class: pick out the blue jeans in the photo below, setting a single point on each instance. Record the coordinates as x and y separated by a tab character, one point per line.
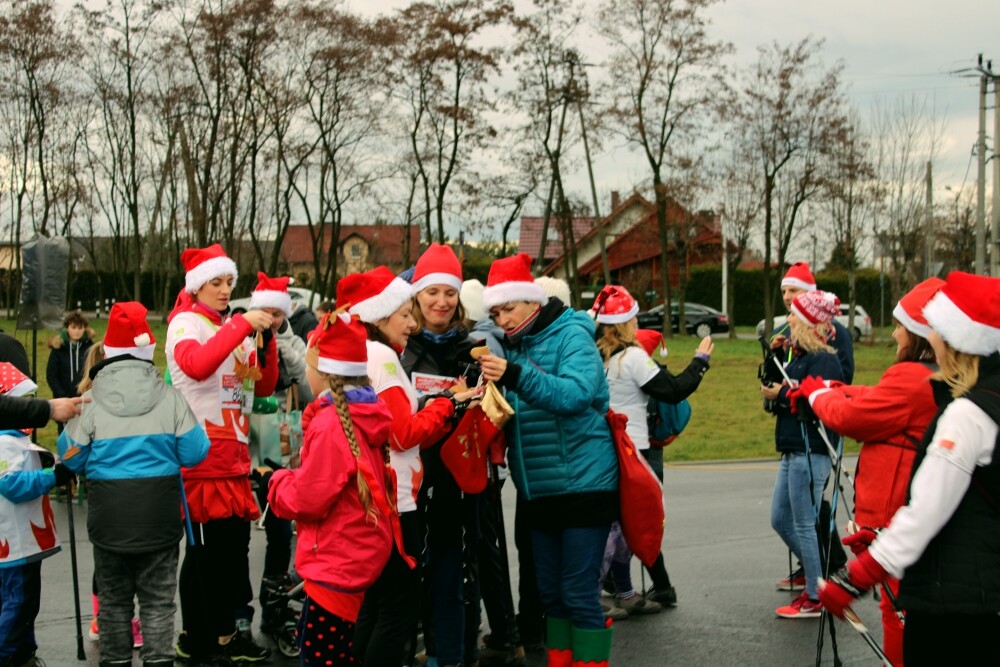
794	509
568	567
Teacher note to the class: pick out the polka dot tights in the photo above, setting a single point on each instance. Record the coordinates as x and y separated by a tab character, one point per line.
324	638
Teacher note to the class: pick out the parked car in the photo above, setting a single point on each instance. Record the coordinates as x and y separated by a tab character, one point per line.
299	295
700	320
862	323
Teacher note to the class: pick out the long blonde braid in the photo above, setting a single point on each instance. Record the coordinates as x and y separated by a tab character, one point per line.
340	401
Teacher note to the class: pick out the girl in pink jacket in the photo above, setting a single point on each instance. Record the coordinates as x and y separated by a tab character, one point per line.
342	496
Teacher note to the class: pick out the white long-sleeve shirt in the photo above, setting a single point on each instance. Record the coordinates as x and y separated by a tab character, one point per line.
964	439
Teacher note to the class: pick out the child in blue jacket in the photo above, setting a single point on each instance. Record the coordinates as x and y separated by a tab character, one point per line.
131	441
27	528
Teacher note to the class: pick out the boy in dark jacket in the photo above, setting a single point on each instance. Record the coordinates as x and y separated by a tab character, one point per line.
69	350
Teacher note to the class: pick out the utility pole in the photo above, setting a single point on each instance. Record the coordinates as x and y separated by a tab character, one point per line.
995	255
981	178
593	188
929	231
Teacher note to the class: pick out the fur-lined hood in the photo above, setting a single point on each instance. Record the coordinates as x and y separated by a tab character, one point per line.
62	338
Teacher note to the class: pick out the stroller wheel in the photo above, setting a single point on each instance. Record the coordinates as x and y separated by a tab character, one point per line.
286	642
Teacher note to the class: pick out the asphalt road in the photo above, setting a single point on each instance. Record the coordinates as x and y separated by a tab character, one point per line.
721	553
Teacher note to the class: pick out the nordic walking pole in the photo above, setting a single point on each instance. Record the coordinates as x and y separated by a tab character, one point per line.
856	623
80	655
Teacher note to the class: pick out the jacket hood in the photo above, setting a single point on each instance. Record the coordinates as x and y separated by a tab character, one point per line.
126	386
372	419
62	338
550	320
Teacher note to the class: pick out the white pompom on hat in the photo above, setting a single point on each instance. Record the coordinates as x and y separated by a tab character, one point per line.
966	313
128	332
910	310
437	266
471	297
816	306
272	293
373	295
614	305
510	280
341	341
204	264
799	275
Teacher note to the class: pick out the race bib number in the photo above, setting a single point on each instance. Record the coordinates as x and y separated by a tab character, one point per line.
231	393
426	384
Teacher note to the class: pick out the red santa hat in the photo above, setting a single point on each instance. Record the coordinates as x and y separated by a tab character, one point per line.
614	305
128	332
204	264
816	306
966	313
13	382
437	266
651	341
373	295
910	310
799	275
341	341
510	280
272	293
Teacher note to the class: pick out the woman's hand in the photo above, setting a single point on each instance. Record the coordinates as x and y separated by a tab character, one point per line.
467	395
258	319
706	346
770	391
493	367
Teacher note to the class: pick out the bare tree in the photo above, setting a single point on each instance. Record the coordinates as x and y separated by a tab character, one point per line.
663	82
741	208
788	112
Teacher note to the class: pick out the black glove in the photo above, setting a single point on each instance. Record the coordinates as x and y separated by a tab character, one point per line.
262	476
64	475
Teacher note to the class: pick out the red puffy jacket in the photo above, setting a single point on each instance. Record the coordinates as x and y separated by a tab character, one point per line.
889	419
338	544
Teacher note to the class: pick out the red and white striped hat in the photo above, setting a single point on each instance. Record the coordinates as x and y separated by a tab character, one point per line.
128	332
340	340
799	275
204	264
437	266
910	309
272	293
966	313
614	305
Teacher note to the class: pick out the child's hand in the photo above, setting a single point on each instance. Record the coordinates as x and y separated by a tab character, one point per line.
64	476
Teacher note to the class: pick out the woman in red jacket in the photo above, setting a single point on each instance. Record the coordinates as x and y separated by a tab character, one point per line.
217	366
342	496
889	419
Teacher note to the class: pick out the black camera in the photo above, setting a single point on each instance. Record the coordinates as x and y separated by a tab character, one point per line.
769	371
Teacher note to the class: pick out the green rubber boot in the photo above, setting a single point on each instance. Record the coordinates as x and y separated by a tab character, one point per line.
591	648
559	642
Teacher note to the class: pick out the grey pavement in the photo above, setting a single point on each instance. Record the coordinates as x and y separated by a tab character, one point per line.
721	553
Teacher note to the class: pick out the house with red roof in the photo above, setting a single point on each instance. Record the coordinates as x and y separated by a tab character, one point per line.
359	248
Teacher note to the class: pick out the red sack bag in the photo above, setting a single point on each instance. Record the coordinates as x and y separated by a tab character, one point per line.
641	495
466	452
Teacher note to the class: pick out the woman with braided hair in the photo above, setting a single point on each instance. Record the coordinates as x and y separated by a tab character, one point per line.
342	495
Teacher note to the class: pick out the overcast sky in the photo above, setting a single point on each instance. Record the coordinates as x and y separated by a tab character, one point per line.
888	47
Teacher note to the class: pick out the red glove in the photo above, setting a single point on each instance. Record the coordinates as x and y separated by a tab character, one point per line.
812	384
860	540
849	583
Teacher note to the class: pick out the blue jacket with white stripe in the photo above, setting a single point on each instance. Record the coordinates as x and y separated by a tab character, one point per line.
131	441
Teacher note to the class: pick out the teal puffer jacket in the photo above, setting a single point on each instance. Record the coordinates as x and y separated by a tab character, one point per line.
559	440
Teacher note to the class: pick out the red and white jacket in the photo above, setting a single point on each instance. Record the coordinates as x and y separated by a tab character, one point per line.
889	419
338	545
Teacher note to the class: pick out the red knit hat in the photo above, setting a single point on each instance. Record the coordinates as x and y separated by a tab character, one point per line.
204	264
910	309
13	382
437	266
816	306
272	293
128	332
373	295
651	341
614	305
799	275
341	341
966	313
510	280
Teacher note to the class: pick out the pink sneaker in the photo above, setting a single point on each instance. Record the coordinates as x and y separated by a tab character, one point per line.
136	633
801	607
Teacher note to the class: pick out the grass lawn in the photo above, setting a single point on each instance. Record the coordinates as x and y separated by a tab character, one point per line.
727	419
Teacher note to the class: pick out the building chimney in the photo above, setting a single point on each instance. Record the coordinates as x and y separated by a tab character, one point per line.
616	199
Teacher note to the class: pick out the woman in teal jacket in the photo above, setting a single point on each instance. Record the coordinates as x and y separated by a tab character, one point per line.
561	454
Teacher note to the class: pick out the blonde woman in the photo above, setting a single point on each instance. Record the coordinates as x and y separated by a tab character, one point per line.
947	537
805	463
342	495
